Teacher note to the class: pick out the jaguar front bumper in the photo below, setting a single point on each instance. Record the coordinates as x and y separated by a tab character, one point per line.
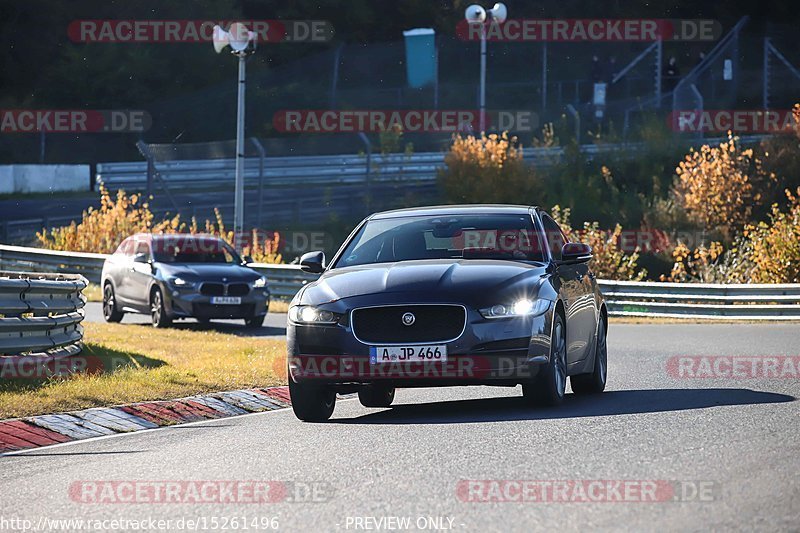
488	351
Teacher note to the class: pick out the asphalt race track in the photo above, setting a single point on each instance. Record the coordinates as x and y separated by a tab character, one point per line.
727	447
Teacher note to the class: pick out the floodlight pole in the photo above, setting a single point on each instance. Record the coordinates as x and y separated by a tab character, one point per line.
483	79
238	210
479	16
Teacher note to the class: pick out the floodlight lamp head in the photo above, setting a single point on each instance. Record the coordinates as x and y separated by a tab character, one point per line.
221	38
475	14
238	37
498	13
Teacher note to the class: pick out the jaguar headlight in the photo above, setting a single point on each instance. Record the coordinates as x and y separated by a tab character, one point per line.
308	314
523	307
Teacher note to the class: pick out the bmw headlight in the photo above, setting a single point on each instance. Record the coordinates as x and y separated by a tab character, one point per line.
522	307
308	314
260	283
181	283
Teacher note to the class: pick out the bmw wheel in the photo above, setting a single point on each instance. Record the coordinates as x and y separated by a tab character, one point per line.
255	321
158	313
110	312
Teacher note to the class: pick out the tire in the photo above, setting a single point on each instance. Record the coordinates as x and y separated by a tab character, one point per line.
311	402
548	386
595	382
255	321
158	313
110	312
376	396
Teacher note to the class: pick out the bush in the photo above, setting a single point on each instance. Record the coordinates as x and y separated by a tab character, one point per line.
718	187
767	252
489	169
609	260
773	249
102	230
262	248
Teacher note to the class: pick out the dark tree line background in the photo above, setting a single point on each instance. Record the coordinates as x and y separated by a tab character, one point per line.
190	90
41	67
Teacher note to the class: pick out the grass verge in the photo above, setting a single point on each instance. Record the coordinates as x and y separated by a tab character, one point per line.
129	363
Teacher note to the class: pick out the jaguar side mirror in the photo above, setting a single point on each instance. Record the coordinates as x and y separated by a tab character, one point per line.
313	262
575	252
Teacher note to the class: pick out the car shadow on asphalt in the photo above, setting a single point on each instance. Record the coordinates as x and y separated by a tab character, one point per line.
624	402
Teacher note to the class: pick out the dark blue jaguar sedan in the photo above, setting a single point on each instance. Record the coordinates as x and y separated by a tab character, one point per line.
448	295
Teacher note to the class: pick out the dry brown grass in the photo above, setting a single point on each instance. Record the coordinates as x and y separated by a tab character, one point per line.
142	363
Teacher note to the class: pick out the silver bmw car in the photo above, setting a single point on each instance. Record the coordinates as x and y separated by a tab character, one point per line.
182	276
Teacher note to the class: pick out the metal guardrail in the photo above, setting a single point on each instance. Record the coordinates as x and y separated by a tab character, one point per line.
284	280
21	258
624	298
421	167
312	170
702	300
278	171
41	313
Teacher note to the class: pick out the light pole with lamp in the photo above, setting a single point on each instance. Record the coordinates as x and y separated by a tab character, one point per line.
475	14
238	37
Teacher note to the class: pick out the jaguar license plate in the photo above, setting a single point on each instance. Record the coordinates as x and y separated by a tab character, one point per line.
406	354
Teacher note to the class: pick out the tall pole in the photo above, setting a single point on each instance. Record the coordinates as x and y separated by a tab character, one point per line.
483	79
238	217
544	78
659	62
765	76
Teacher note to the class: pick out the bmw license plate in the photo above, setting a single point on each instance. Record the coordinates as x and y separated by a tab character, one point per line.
226	300
404	354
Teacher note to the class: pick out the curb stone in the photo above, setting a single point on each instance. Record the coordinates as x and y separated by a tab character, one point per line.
46	430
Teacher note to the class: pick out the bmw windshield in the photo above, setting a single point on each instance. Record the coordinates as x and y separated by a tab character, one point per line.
187	249
501	237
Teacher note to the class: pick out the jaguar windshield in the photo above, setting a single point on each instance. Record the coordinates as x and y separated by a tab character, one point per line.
503	237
